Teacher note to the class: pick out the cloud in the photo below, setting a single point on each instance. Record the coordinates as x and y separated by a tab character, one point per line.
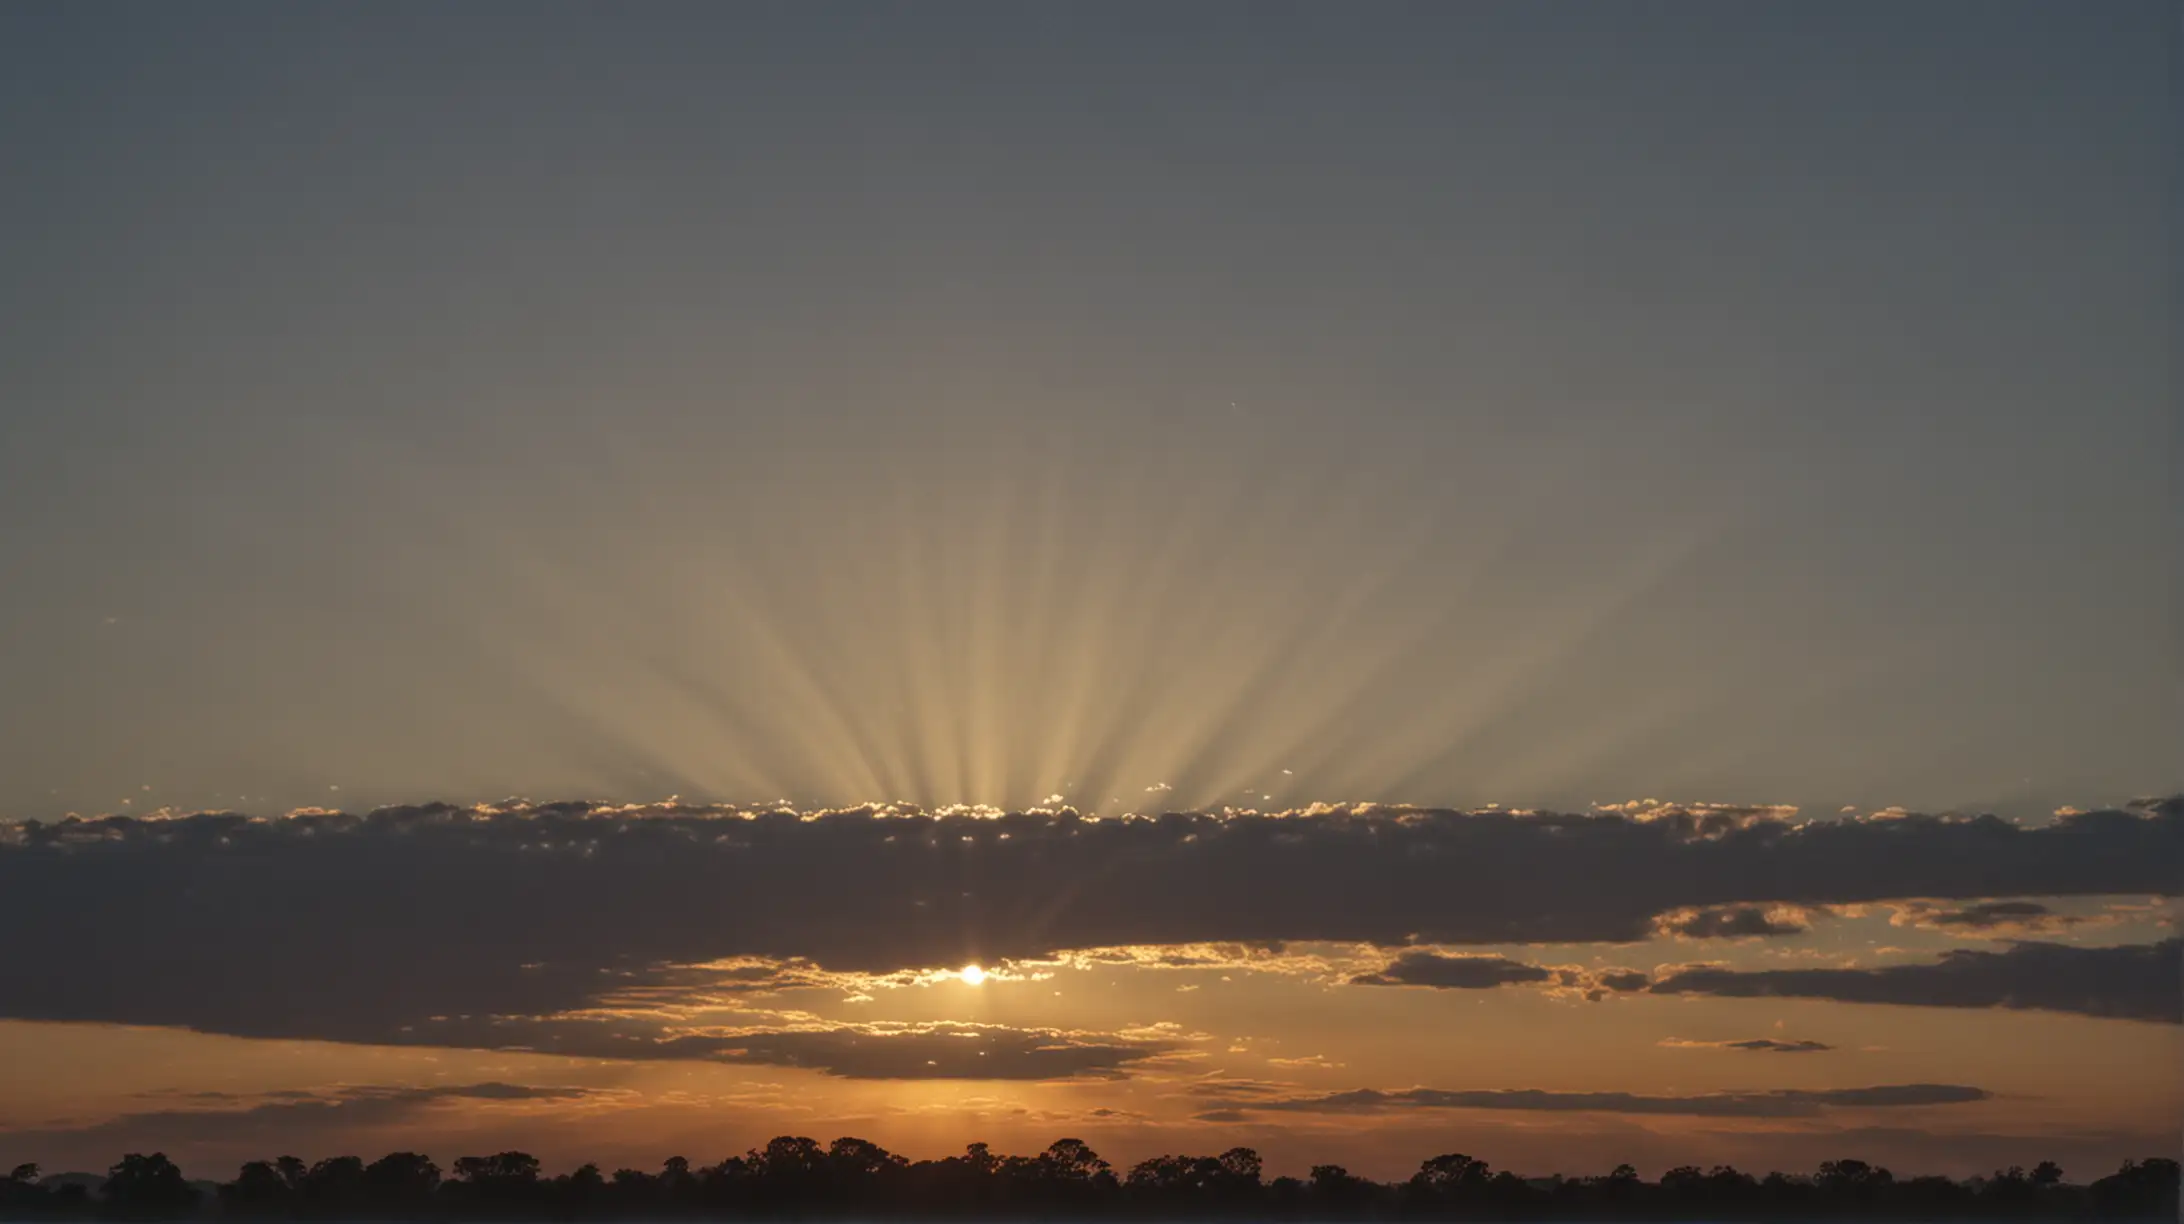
1732	922
363	927
1777	1103
283	1118
491	1091
1987	919
1453	972
1233	1088
1756	1045
2129	982
1268	956
878	1051
1989	914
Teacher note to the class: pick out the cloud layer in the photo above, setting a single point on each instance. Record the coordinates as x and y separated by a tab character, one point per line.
280	1119
1423	968
349	927
1777	1103
2130	982
1752	1045
937	1050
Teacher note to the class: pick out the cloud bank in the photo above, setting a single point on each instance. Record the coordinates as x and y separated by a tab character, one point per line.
366	927
1422	968
280	1119
890	1051
2129	982
1777	1103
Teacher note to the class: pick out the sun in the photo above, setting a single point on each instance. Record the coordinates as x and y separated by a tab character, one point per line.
972	975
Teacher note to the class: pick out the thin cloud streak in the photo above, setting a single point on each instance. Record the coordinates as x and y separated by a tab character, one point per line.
930	1051
1751	1045
2129	982
280	1118
1423	968
1776	1103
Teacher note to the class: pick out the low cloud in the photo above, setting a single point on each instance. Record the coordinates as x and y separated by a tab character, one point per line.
2129	982
1220	1087
380	922
1989	919
1752	1045
1453	972
879	1051
286	1119
1778	1103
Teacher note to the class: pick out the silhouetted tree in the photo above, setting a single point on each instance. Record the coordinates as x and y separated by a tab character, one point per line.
1448	1184
333	1184
857	1179
143	1186
20	1193
400	1183
1071	1160
580	1192
258	1190
292	1171
1335	1190
505	1183
2142	1189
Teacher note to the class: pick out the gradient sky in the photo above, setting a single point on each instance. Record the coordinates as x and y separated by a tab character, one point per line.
1097	408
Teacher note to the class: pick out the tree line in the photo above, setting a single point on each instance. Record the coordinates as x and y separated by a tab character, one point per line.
792	1177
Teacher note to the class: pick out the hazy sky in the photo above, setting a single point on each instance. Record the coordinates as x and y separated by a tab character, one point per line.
1119	407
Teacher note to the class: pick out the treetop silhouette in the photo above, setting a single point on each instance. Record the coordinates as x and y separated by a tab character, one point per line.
793	1177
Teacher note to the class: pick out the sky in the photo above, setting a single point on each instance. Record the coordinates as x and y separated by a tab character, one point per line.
1398	577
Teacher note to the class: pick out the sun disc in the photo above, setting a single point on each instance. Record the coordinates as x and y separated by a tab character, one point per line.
972	975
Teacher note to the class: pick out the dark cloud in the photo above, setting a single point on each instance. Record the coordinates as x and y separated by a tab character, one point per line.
1988	918
1453	972
1769	1045
170	1094
1778	1103
1755	1045
280	1119
1728	922
1624	981
2130	982
1230	1088
491	1091
363	928
1991	914
859	1051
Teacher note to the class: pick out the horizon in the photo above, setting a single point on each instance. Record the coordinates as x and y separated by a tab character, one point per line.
546	1172
1580	584
853	1178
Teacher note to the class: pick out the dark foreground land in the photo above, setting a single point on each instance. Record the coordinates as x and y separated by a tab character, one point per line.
793	1178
